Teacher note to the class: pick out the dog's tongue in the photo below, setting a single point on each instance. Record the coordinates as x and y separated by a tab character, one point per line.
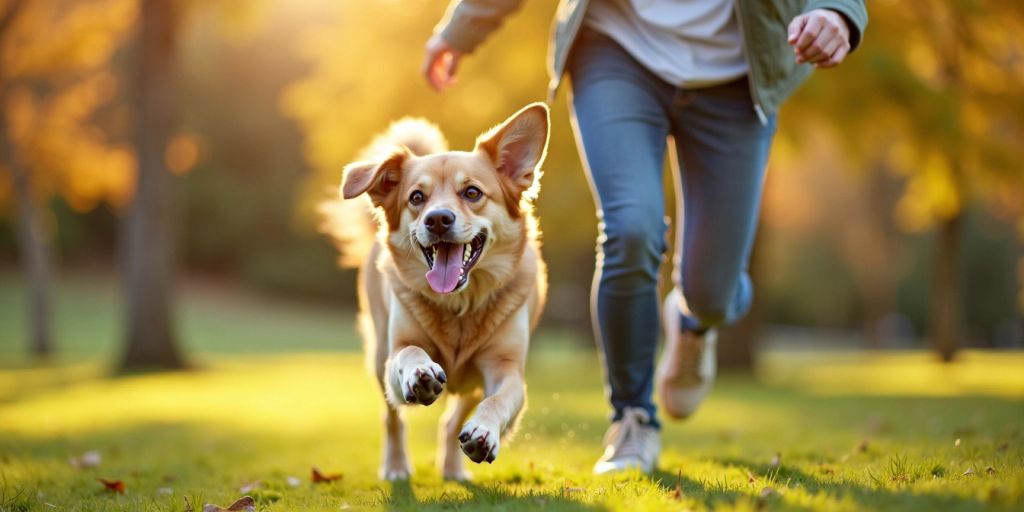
444	277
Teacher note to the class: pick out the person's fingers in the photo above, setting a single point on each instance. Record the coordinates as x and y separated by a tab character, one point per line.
430	60
809	33
823	47
795	27
434	75
836	58
829	50
452	66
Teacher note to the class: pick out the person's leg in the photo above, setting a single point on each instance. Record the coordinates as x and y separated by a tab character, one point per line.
621	127
722	150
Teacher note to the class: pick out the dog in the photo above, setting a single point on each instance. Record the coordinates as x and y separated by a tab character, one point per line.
453	283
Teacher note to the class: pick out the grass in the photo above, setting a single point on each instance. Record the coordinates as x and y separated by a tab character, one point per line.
273	398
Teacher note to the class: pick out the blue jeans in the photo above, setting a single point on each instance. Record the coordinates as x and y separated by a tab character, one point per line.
624	116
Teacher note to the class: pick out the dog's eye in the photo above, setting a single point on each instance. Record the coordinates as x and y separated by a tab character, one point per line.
417	198
472	194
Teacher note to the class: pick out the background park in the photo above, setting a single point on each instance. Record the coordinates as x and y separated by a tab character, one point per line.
172	322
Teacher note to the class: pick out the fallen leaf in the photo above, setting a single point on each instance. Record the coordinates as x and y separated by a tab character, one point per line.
244	504
969	472
319	478
678	493
89	459
188	505
751	478
776	460
250	487
113	485
293	481
990	470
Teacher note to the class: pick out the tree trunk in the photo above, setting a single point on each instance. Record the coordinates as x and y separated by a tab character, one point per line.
946	324
34	245
34	248
148	228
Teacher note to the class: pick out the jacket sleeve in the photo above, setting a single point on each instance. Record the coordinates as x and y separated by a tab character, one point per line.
469	22
854	11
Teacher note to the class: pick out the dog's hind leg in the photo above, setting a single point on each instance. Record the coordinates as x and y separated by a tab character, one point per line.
449	453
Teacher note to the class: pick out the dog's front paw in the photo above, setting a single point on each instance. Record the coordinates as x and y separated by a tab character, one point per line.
479	442
422	384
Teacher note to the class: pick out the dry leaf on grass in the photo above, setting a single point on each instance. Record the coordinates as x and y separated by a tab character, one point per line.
678	493
990	470
969	472
319	478
751	478
244	504
112	485
89	459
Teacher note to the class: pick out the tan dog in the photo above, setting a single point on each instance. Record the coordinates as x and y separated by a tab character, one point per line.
454	283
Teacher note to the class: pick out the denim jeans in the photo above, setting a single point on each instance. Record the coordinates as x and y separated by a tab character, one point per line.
624	117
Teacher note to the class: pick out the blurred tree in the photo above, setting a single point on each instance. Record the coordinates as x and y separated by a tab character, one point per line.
36	254
54	56
148	233
933	95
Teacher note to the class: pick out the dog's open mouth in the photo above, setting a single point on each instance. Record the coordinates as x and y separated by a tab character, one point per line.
450	262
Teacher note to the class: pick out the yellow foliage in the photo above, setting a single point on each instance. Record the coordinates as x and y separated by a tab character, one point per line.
932	194
52	36
55	59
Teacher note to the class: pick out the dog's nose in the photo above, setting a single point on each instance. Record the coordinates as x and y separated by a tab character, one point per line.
439	221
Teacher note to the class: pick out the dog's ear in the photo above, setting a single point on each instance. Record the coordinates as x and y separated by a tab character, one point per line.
378	179
517	146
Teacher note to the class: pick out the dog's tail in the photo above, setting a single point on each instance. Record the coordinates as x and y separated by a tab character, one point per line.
351	223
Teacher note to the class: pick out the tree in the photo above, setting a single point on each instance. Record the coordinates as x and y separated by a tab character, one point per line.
933	96
148	232
33	242
53	77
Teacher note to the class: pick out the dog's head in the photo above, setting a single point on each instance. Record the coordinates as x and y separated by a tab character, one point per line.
454	213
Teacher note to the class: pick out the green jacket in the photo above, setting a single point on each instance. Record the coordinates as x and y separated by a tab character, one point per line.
774	74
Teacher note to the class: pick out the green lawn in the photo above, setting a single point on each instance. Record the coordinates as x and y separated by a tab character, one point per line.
281	388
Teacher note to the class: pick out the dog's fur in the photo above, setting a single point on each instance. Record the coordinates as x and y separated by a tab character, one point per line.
470	342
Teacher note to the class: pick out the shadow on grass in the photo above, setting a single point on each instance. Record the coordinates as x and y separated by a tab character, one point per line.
496	496
711	493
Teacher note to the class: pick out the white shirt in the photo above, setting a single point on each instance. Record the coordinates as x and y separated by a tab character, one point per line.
687	43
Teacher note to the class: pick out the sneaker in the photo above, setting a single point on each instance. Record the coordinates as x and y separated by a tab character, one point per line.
687	368
630	443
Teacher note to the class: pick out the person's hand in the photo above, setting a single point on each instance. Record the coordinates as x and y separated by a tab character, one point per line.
820	37
440	63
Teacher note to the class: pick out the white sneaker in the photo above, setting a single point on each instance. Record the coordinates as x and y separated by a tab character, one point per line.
687	368
630	443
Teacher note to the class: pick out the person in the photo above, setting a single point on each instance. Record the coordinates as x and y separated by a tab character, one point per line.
707	76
